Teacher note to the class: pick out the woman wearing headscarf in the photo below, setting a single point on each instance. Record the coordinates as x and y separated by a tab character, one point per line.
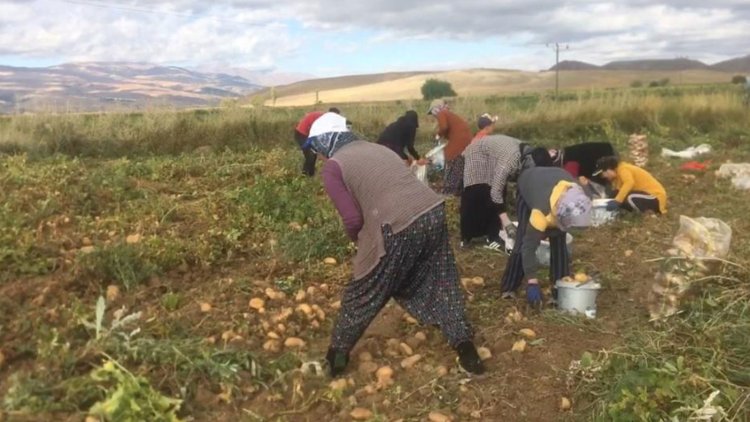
455	129
399	136
486	125
401	233
549	204
301	133
491	163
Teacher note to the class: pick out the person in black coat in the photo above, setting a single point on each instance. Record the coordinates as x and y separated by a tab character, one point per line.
399	136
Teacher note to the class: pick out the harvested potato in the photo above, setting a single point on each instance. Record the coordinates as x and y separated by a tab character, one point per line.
528	333
133	239
405	349
477	281
336	305
438	417
410	361
628	253
272	346
581	277
519	346
330	261
421	336
294	342
205	307
257	303
113	293
367	367
441	371
565	404
360	414
365	357
384	376
273	335
339	384
306	309
300	296
484	353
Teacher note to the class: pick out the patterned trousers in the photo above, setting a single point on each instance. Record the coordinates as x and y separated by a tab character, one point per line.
454	176
419	272
559	259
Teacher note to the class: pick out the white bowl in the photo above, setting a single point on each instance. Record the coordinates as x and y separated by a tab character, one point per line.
599	214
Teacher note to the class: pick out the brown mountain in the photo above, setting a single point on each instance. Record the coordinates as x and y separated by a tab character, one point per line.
574	65
739	65
658	64
94	86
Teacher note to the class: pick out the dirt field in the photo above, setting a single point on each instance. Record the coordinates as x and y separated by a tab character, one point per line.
218	232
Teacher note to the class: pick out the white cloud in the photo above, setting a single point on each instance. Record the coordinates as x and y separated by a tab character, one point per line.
254	33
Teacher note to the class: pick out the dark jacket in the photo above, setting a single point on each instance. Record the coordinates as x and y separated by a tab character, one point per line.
400	135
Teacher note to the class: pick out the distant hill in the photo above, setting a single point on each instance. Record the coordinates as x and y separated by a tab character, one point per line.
340	82
660	65
574	65
93	86
473	82
739	65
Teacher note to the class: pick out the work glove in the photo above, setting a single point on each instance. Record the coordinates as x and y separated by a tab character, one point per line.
511	230
534	295
613	205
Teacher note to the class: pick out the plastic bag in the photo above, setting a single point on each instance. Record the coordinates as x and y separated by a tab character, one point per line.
703	237
688	153
733	169
739	172
437	157
420	172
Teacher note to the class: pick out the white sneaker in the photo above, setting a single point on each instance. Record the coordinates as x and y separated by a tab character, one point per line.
495	246
508	295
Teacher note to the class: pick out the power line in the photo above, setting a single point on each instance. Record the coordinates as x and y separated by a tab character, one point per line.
556	47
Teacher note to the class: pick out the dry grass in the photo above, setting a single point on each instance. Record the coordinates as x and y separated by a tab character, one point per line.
478	82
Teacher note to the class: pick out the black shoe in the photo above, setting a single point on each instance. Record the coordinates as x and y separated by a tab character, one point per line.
469	359
337	361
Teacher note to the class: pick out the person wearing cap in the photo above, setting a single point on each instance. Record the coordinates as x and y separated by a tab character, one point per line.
580	160
399	136
636	189
550	203
456	130
486	125
301	133
399	226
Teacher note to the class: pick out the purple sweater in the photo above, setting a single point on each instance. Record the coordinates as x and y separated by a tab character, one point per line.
347	206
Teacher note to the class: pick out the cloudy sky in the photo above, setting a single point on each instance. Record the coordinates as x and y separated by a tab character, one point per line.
333	37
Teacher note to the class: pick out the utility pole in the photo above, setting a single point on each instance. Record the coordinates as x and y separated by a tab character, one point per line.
556	47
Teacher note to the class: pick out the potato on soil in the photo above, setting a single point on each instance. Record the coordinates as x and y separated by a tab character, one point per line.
360	414
565	404
410	361
294	342
484	353
438	417
330	261
113	293
527	333
257	303
519	346
205	307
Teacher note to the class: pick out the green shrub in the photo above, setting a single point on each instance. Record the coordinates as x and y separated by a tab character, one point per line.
435	88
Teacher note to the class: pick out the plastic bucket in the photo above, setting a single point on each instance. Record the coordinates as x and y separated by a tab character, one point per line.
577	298
599	214
543	251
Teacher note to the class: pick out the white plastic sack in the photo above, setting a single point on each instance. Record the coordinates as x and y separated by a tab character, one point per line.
420	172
688	153
437	157
739	172
703	237
733	169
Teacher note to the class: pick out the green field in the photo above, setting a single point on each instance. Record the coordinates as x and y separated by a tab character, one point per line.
178	219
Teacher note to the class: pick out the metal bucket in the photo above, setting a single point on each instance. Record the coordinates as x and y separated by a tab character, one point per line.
577	298
599	214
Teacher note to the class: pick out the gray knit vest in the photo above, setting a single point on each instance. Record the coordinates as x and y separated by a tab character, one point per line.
387	193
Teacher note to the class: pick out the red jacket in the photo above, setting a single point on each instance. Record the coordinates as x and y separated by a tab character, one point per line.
306	123
456	130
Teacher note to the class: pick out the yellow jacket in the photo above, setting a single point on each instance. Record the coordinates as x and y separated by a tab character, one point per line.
631	178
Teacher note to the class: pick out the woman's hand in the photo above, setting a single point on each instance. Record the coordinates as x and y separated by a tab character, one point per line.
423	162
